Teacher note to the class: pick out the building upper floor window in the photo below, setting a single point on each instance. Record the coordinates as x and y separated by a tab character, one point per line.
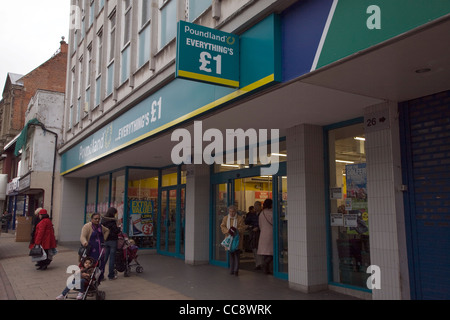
112	36
146	11
91	13
99	52
101	5
167	21
144	33
127	22
197	7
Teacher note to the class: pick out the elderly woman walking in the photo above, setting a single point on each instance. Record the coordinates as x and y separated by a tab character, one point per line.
231	223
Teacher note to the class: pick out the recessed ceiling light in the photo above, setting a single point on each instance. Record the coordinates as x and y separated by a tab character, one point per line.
423	70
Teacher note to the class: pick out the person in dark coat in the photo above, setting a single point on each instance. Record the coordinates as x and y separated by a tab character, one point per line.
45	237
109	221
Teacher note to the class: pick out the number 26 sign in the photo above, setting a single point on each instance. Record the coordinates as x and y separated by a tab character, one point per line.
207	55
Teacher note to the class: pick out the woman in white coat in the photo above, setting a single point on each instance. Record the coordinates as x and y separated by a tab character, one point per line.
265	244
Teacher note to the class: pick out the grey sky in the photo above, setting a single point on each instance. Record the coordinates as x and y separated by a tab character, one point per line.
30	32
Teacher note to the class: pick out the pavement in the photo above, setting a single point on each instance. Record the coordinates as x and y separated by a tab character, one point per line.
163	278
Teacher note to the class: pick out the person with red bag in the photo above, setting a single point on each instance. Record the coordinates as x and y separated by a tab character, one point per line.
45	237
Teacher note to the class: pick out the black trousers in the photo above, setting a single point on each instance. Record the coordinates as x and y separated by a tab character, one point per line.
268	264
234	261
45	262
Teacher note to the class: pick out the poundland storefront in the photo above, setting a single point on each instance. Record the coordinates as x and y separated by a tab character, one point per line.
336	106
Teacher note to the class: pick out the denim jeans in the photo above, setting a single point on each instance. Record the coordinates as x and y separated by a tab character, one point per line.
83	284
110	253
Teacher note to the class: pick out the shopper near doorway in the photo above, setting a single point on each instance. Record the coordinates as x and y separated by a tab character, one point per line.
230	223
251	220
265	244
109	221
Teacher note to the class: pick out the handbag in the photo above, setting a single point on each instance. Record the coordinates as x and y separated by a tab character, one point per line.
235	243
42	257
84	251
226	243
36	251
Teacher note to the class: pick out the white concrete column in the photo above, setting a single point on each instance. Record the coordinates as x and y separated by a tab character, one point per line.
197	214
306	209
385	203
71	219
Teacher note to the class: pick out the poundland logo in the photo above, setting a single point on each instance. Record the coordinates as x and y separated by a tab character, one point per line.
190	149
209	36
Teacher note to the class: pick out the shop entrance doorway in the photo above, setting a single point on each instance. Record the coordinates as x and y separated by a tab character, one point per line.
247	191
171	236
243	188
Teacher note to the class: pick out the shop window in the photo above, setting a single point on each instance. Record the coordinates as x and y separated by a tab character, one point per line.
118	193
103	194
169	177
142	202
348	209
91	199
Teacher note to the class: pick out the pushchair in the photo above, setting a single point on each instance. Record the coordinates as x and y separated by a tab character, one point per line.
126	256
91	288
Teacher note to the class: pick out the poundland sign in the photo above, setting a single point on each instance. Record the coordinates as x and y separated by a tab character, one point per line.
207	55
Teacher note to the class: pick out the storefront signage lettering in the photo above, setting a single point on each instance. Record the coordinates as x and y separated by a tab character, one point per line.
208	55
142	121
378	120
121	129
12	186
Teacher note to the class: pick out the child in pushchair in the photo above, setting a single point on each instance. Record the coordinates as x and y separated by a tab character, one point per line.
89	275
126	256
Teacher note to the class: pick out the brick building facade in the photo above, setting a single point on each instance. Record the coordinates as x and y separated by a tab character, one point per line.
17	93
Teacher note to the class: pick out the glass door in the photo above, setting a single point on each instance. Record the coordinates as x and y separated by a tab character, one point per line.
243	192
281	224
171	236
220	204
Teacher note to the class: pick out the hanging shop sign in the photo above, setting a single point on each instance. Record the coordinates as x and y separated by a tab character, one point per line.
207	55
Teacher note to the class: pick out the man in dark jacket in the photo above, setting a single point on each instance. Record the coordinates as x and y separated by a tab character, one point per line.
109	221
252	220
